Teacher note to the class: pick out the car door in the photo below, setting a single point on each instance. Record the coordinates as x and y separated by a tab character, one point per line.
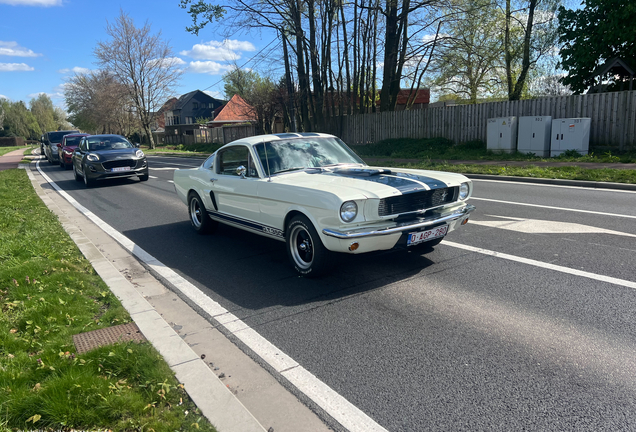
236	193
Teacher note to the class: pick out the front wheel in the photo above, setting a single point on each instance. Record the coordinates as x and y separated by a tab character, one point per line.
87	181
144	177
305	250
199	218
78	178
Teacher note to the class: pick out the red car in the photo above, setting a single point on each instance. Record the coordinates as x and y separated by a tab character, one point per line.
67	146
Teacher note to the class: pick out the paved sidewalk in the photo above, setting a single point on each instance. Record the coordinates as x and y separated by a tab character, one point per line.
12	159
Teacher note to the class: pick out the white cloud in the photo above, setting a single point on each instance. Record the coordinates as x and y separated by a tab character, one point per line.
15	50
76	69
227	50
3	97
15	67
43	3
208	67
168	62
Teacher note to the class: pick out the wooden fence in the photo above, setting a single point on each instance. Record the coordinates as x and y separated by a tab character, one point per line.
613	119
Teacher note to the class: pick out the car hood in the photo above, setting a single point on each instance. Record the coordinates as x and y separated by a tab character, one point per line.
116	154
370	182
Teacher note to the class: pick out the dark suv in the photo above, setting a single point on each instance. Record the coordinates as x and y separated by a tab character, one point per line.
50	140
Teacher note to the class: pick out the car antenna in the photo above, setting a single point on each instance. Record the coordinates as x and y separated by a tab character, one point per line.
267	161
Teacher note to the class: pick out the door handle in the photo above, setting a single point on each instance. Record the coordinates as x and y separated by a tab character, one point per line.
213	180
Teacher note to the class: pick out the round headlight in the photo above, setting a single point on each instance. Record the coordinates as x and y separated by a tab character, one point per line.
139	154
463	191
92	157
348	211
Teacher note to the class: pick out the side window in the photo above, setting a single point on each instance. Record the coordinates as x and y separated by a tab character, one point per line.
232	158
209	163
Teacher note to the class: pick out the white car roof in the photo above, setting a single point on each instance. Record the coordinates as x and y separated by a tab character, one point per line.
257	139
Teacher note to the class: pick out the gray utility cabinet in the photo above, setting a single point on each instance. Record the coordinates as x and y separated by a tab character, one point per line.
570	134
534	135
501	134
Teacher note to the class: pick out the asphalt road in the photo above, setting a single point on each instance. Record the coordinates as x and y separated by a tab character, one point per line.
525	319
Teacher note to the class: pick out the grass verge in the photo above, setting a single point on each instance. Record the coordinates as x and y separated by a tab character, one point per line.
195	150
564	173
49	292
441	148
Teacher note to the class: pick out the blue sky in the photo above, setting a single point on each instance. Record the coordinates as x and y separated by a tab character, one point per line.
43	42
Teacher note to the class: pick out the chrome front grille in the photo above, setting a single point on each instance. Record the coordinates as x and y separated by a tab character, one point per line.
118	163
417	201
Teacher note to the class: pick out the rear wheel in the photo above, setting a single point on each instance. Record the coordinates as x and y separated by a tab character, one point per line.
199	218
305	250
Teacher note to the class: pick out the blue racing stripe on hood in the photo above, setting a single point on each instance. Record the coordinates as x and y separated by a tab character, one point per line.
403	182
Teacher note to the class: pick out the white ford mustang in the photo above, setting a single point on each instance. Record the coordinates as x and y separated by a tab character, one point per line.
311	191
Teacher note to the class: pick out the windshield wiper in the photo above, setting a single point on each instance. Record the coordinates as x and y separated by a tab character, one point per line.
288	169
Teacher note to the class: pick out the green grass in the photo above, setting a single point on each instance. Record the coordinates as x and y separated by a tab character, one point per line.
5	150
49	292
185	150
565	173
443	149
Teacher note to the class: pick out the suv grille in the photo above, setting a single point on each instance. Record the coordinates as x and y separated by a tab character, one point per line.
417	201
119	163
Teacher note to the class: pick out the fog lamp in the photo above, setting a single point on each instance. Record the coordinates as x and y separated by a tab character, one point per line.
354	246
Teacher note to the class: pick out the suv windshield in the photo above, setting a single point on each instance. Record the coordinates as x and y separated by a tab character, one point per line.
107	143
56	137
72	141
305	152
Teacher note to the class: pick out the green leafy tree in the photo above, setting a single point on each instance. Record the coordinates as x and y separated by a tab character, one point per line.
470	54
44	112
599	31
19	121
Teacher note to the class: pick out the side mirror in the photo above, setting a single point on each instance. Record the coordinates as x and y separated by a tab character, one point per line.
240	171
136	145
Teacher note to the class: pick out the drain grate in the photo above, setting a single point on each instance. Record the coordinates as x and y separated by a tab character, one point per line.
107	336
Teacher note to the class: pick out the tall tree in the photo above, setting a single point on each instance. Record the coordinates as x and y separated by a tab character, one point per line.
99	103
44	112
143	62
19	121
529	34
469	56
599	31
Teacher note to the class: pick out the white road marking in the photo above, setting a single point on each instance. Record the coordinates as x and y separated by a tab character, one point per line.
162	169
537	226
529	184
153	177
555	208
170	181
558	268
343	411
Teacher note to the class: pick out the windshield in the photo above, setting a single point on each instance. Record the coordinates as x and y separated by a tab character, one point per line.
72	141
305	152
56	137
107	143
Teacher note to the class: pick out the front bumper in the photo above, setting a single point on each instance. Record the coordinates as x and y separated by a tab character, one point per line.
412	225
96	170
392	235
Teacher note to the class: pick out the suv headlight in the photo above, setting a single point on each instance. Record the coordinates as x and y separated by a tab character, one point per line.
464	189
92	157
348	211
139	154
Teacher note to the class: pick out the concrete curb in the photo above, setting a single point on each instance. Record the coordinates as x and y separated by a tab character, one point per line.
208	392
558	182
